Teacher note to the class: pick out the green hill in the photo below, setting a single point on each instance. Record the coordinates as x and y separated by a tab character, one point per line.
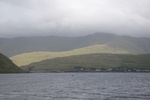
28	58
26	50
7	66
94	62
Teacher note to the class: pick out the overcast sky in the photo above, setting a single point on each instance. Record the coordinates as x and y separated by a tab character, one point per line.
74	17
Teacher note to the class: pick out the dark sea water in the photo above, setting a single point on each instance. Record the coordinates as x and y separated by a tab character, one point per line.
75	86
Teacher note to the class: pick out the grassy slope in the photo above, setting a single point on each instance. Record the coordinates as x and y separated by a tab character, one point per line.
92	61
7	66
28	58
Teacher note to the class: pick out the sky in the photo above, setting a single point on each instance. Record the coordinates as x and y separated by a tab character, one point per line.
74	17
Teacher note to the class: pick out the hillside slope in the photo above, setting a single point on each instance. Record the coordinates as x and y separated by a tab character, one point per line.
93	62
28	58
15	46
7	66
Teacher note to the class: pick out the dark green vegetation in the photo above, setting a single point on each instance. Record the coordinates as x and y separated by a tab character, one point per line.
7	66
94	63
15	46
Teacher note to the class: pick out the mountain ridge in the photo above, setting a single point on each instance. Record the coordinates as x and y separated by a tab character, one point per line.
15	46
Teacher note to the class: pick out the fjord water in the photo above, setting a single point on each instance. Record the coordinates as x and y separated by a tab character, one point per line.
75	86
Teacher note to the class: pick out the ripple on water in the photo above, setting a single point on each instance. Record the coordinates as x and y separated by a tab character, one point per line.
82	86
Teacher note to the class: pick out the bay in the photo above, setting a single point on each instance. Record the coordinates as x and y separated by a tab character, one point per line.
75	86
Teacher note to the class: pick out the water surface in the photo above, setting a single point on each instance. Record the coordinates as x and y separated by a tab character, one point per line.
75	86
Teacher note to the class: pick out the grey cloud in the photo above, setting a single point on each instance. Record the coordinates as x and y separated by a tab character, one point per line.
74	17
